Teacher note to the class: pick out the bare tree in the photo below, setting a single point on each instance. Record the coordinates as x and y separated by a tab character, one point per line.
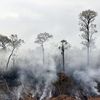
64	45
41	39
4	41
88	28
14	43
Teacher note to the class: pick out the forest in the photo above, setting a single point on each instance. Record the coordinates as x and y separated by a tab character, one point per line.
62	72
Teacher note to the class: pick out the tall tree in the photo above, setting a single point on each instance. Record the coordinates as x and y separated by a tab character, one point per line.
64	45
41	39
14	43
88	28
4	41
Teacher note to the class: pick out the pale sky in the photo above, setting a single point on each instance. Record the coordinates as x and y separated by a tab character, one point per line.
57	17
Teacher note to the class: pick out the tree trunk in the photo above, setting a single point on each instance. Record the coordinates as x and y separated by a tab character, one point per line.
43	54
63	62
9	58
63	58
88	56
88	47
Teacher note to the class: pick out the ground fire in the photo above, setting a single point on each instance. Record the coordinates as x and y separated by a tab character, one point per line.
63	87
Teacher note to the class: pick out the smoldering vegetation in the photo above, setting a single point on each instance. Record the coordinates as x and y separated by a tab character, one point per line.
29	75
84	77
43	73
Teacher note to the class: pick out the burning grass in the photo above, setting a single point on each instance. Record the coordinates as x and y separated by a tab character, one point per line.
35	88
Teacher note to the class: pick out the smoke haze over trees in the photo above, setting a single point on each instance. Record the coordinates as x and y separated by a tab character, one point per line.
50	69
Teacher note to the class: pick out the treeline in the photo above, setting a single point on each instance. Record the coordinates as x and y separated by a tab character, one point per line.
87	29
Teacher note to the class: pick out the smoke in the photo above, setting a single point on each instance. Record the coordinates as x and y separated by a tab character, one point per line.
28	74
31	76
34	76
85	77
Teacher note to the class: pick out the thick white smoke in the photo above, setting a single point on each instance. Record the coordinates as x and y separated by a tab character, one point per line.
36	77
76	67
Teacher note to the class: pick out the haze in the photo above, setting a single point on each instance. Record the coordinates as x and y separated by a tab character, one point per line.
27	18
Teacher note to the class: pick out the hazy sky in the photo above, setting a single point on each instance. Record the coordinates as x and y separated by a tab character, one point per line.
58	17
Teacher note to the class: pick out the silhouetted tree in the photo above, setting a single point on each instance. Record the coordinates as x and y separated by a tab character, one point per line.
64	45
41	39
4	41
14	43
88	29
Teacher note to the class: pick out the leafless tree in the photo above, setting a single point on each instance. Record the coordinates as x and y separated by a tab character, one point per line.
64	45
88	28
4	41
14	43
41	39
